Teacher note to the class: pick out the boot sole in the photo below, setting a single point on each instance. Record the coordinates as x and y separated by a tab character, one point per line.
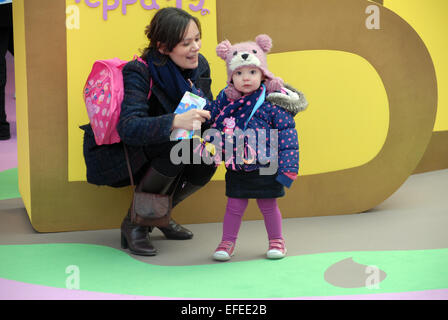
178	238
124	245
171	237
143	254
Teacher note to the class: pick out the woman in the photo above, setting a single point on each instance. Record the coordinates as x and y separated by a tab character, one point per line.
174	65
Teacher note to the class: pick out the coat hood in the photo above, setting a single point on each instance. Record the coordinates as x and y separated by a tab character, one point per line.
289	99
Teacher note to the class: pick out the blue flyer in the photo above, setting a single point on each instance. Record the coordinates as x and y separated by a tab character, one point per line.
189	101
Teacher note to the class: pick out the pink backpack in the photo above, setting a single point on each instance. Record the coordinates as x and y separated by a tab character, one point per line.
103	94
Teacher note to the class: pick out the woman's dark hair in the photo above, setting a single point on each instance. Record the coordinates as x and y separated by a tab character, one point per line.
167	28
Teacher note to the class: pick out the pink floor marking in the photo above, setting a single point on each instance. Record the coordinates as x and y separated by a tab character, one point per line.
15	290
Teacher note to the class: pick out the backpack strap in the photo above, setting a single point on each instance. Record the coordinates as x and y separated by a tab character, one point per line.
128	163
139	59
150	89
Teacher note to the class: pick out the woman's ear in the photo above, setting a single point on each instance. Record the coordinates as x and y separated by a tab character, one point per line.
162	48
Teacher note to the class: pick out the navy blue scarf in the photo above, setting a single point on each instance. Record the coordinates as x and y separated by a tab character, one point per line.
170	78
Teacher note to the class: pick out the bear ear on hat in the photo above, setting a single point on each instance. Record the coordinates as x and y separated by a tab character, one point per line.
264	41
223	48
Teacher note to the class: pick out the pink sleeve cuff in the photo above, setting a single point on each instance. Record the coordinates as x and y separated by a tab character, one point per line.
291	175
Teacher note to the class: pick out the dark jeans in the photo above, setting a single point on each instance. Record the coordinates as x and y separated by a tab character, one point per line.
197	174
6	44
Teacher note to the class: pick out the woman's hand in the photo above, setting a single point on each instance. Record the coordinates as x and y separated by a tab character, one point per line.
190	120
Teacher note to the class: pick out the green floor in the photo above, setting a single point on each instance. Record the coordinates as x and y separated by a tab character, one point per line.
404	222
9	186
104	269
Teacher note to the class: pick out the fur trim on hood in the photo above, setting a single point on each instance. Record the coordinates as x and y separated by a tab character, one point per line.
289	99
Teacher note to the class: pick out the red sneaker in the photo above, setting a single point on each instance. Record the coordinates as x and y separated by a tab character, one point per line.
224	251
277	249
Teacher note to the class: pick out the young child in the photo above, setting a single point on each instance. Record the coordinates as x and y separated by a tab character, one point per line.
249	80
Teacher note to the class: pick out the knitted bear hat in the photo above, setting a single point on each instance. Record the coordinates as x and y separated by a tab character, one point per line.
248	54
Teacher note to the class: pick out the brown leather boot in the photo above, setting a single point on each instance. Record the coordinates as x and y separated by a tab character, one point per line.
183	191
136	238
175	231
156	182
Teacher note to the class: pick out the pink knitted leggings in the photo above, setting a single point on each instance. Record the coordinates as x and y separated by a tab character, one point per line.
234	214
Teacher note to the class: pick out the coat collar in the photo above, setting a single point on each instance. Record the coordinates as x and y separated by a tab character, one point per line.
167	104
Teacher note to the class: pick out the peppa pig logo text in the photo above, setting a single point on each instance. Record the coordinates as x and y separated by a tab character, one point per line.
110	5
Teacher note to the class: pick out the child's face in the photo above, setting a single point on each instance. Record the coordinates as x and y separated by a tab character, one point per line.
247	79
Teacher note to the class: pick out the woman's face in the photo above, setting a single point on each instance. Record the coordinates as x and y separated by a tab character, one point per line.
185	53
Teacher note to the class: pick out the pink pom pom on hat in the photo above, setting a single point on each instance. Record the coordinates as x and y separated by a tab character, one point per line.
248	54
